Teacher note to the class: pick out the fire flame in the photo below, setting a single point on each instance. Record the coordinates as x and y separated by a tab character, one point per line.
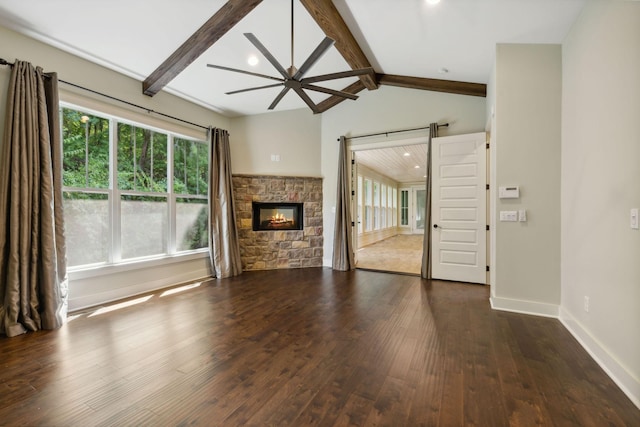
279	217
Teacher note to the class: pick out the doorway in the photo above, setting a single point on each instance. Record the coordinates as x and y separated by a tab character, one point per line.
388	205
459	233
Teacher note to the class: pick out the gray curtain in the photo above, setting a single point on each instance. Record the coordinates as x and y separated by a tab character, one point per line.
342	239
33	271
425	271
224	247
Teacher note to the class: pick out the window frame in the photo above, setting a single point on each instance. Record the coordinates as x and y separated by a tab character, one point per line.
115	194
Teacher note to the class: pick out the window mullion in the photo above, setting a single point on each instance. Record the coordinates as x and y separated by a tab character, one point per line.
171	198
114	196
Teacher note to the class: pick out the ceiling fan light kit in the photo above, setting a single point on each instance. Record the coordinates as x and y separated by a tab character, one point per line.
293	78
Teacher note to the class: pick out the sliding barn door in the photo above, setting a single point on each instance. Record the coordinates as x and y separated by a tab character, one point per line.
458	208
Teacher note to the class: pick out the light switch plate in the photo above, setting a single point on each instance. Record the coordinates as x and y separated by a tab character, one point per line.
634	218
509	216
522	215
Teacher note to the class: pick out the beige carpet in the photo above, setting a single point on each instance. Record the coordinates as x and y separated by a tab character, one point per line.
401	253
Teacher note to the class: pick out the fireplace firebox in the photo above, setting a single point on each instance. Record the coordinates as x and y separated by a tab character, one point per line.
277	216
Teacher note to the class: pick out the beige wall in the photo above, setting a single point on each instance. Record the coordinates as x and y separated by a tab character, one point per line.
293	135
600	184
98	286
526	151
389	108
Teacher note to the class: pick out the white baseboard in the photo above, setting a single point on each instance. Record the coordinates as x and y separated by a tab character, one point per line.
111	283
524	307
96	300
623	379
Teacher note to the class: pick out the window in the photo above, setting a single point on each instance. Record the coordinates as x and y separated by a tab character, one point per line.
383	206
390	192
376	205
368	224
130	191
404	208
395	207
360	196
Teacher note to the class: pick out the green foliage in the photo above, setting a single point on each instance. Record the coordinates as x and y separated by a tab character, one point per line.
142	156
86	150
190	173
198	234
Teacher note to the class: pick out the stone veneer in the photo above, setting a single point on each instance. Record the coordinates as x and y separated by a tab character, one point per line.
267	250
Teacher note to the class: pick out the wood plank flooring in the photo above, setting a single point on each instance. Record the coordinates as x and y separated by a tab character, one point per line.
308	347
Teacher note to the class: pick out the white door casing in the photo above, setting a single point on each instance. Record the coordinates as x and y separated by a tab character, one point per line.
458	208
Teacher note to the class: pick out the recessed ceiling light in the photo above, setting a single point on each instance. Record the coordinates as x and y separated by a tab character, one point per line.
407	154
433	2
253	60
416	167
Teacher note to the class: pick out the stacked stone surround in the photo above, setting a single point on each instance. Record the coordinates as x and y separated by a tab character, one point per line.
268	250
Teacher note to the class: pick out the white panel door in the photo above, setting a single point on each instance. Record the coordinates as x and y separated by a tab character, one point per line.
458	208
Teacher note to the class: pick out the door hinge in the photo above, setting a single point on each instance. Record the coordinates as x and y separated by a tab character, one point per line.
487	186
487	145
487	268
487	228
353	161
353	192
353	224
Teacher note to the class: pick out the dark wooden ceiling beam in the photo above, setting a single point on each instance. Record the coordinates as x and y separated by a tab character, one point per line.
330	21
436	85
217	26
334	100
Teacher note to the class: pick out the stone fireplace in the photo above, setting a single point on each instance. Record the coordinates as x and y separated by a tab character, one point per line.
279	221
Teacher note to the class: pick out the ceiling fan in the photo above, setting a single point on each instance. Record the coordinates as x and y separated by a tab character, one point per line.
292	78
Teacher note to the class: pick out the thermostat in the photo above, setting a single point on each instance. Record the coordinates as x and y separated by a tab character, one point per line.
510	192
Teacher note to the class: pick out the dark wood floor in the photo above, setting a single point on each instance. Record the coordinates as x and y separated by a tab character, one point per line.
308	347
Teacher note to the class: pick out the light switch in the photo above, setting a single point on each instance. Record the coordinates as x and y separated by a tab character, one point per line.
522	215
509	216
634	218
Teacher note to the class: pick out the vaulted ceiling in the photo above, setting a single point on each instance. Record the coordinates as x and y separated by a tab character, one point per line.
167	45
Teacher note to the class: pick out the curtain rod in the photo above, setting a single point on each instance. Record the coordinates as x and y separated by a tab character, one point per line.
444	125
148	110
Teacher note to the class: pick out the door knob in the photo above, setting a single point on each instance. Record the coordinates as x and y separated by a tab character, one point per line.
435	225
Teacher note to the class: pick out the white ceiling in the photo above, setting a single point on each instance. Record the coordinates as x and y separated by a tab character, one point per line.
404	163
403	37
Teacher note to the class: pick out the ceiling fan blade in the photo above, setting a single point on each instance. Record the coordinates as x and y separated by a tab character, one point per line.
315	55
307	100
252	88
334	76
278	98
263	50
330	91
235	70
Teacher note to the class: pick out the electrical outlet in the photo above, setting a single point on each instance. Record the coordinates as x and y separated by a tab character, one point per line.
634	218
586	304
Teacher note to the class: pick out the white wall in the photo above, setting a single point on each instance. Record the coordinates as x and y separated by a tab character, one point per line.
384	109
600	184
293	135
526	139
98	286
